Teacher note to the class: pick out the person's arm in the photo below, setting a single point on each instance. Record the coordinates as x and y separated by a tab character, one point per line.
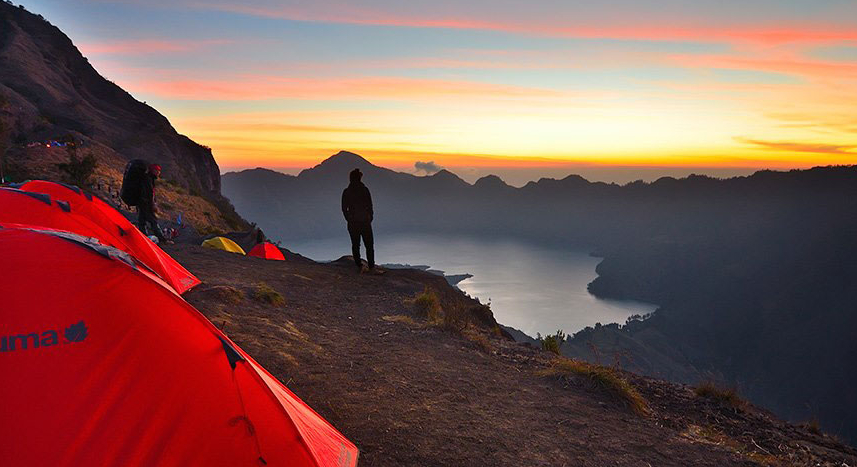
369	199
345	204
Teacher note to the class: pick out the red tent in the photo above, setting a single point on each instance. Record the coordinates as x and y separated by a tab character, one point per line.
111	227
268	251
106	365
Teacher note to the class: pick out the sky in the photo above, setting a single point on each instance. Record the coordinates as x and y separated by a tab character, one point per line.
615	90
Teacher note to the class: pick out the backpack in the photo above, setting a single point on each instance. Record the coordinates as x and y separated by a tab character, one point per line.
132	181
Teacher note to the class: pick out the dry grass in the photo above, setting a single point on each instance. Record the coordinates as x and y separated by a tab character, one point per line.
400	319
427	305
713	436
265	294
455	319
227	294
602	377
710	390
812	426
482	342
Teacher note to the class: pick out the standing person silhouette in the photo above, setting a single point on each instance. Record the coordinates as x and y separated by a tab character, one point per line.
146	209
357	209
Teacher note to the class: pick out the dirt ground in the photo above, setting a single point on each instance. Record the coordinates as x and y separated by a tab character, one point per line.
410	393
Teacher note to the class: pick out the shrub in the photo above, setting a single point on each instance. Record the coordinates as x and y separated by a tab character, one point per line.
78	171
455	319
606	378
554	342
266	294
710	390
427	305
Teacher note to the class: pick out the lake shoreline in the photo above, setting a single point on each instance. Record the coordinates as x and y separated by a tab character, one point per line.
531	287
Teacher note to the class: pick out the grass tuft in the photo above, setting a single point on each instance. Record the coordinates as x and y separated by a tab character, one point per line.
710	390
455	319
554	342
812	426
602	377
266	294
427	305
400	319
482	342
227	294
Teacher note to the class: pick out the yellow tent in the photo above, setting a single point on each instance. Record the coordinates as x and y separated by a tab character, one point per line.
222	243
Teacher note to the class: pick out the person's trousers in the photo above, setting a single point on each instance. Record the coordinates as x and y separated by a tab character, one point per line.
357	230
146	220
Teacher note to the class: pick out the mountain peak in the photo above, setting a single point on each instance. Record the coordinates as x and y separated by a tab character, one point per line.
346	158
491	181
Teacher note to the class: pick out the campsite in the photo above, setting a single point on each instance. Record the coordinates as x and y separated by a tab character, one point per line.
298	319
168	169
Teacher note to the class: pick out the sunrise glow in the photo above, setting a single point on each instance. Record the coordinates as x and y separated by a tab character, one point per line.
486	83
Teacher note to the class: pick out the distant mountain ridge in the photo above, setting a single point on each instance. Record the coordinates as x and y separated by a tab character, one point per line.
756	276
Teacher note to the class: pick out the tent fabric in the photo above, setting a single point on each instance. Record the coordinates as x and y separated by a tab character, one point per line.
267	250
223	243
112	228
110	366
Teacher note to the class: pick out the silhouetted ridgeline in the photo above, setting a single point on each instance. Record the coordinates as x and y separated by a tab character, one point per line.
756	276
49	91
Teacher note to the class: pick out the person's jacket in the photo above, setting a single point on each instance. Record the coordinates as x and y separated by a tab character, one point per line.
147	193
357	203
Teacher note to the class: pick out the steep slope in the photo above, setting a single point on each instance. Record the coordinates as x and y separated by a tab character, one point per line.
411	393
49	91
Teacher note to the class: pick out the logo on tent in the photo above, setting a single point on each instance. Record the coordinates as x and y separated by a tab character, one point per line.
77	332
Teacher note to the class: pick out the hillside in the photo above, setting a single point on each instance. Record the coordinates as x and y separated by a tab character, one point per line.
755	276
50	92
409	392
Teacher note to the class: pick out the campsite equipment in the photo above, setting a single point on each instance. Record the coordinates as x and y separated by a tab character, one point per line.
66	207
132	181
109	366
223	243
267	250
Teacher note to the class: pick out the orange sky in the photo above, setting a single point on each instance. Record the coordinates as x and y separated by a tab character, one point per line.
484	85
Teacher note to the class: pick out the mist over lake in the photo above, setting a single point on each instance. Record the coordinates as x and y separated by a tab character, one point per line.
534	288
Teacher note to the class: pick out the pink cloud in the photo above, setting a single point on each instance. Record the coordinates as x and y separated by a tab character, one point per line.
257	87
784	64
768	35
146	46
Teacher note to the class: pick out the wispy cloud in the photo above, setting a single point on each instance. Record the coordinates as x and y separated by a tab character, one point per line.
792	65
148	46
767	34
791	146
259	87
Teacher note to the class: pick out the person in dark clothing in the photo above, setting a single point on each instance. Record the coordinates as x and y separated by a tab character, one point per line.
357	209
146	208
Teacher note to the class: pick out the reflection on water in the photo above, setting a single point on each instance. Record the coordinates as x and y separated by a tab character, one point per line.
531	288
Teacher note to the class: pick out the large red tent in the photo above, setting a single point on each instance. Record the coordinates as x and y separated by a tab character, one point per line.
83	214
106	365
267	250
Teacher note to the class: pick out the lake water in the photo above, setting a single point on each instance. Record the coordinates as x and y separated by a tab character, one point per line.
530	287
